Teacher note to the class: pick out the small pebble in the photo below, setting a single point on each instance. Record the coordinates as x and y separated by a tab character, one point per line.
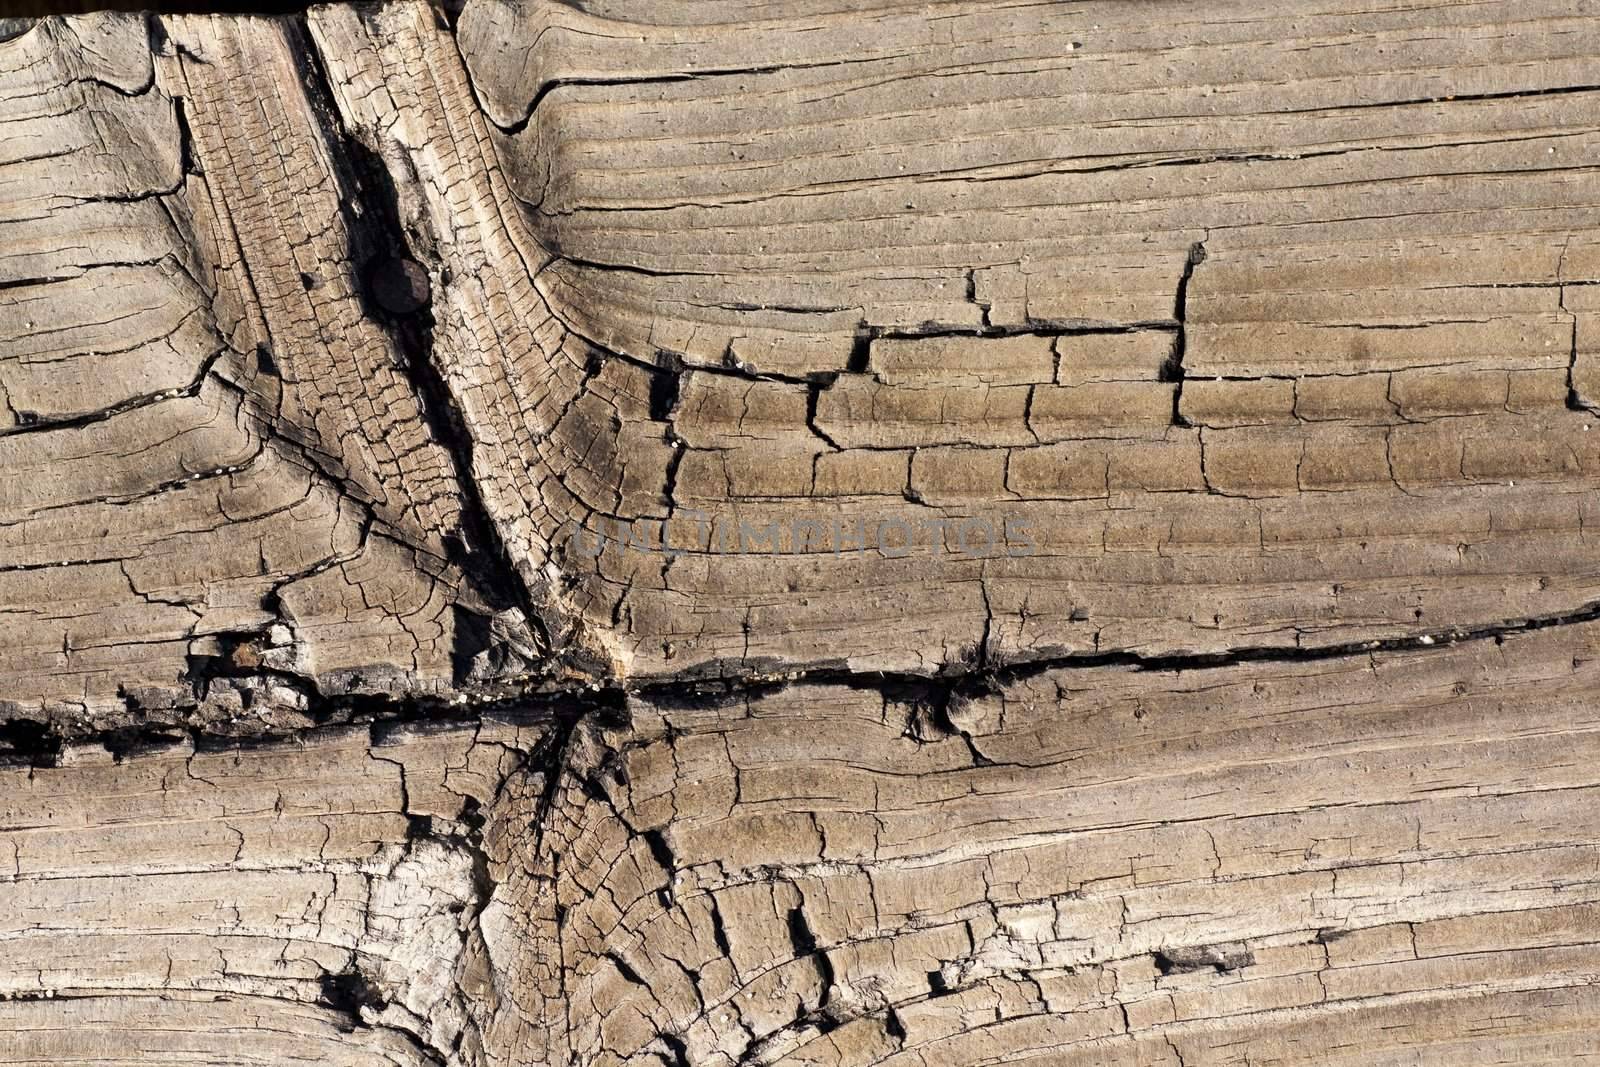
400	286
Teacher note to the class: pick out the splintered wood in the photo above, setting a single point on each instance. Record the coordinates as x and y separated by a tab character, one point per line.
644	532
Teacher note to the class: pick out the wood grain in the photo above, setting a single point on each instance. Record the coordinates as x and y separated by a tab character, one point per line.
639	532
1283	311
1094	866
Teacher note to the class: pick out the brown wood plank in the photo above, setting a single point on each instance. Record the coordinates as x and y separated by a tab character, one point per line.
645	532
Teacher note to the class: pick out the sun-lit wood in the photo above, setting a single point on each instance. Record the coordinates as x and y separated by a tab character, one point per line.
648	532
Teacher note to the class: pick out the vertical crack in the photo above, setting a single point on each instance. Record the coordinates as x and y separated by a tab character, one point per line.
1575	400
380	243
1173	370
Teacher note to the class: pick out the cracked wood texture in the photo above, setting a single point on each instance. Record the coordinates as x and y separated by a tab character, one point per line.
654	533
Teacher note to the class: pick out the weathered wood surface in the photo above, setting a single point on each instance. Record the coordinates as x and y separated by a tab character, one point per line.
1106	492
1365	859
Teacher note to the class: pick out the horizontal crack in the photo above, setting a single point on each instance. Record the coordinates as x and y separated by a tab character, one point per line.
665	78
983	679
26	740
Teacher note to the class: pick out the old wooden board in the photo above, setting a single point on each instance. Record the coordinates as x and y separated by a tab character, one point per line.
644	532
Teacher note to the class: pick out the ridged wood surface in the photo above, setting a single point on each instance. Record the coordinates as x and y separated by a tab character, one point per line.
645	532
